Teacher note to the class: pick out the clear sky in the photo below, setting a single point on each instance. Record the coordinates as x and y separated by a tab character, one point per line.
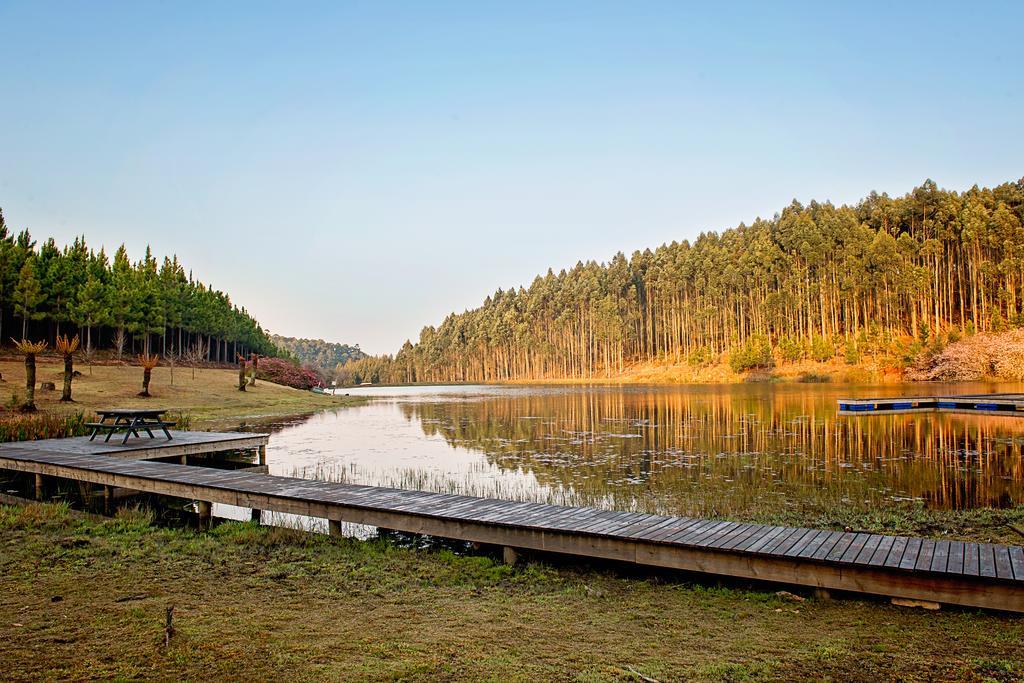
355	171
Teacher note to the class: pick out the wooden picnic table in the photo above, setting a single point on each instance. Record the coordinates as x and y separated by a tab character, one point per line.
132	421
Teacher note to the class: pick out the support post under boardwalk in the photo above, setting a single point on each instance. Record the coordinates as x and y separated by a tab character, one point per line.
263	455
39	487
108	500
334	527
256	515
205	515
509	555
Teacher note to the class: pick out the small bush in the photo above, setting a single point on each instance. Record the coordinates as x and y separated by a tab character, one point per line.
699	357
822	349
852	353
756	353
790	350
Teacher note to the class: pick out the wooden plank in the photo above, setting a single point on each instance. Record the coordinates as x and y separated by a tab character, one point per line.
1017	562
1004	569
910	554
972	559
986	560
955	565
940	558
924	557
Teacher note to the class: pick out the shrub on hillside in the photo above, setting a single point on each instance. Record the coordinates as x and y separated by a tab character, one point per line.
756	353
281	371
822	349
790	349
699	357
972	358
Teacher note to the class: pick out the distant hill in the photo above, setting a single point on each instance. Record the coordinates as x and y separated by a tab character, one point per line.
322	355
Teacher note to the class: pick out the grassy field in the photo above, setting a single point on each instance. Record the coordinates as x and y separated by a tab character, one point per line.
81	598
211	399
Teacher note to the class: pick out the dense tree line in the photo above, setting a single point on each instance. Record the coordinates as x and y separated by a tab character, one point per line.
813	281
144	306
317	353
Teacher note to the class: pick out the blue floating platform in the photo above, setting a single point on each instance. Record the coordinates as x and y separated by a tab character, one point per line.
1003	404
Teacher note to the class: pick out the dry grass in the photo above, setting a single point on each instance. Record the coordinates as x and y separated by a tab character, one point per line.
212	398
86	599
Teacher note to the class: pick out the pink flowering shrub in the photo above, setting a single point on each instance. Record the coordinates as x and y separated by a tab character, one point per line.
985	355
281	371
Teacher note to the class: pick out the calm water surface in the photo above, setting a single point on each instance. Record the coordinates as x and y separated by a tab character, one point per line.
677	450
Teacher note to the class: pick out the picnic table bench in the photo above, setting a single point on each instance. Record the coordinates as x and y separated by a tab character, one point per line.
132	421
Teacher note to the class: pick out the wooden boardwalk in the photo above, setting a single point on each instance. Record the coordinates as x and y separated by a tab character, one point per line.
144	448
954	572
986	404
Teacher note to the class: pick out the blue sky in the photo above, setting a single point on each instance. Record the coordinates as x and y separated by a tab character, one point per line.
355	171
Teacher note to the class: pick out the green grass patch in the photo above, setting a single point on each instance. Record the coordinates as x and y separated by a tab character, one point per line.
87	598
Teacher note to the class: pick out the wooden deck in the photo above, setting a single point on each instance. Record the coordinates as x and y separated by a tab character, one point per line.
986	404
144	448
954	572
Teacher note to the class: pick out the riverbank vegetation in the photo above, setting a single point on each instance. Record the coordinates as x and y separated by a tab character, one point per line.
262	603
882	281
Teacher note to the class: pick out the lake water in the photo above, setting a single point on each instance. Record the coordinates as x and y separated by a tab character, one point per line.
709	450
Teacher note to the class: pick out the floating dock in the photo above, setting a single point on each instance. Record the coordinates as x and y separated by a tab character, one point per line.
987	404
900	567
